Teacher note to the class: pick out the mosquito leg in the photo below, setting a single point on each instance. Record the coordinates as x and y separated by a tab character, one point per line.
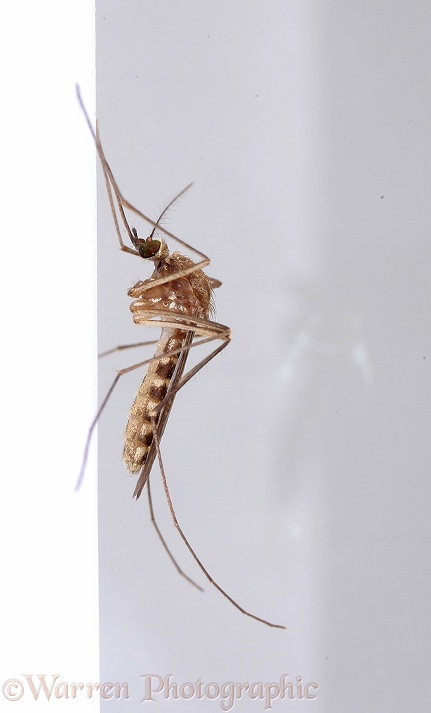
90	432
114	190
121	373
111	186
109	180
191	550
165	407
162	539
190	374
199	265
122	347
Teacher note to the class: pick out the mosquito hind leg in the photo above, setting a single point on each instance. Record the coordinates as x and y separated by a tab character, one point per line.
191	550
163	541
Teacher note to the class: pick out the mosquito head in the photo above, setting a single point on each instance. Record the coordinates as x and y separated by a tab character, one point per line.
148	248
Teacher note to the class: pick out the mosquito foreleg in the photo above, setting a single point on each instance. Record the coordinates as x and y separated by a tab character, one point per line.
201	265
111	186
109	180
122	203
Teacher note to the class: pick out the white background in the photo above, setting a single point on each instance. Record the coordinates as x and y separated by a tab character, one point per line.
299	459
49	606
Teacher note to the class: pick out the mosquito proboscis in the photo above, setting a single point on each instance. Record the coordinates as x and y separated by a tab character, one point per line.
177	298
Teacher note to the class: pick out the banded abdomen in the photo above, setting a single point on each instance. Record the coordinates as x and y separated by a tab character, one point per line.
152	391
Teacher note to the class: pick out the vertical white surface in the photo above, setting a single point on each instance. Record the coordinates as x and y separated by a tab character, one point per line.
49	601
298	460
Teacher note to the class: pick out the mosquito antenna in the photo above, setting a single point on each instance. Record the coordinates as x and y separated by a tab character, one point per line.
165	210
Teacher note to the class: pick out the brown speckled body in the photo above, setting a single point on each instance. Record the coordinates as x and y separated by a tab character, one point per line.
176	299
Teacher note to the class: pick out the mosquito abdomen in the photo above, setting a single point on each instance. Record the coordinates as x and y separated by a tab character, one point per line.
153	389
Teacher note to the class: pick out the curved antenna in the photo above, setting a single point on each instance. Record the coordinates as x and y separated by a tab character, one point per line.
165	210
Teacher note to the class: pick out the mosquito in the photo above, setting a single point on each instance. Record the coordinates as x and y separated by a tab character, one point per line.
177	298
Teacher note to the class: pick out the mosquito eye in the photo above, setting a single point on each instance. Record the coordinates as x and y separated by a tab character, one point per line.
149	248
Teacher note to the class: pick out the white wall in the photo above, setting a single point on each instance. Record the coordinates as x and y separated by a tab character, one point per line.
49	601
299	459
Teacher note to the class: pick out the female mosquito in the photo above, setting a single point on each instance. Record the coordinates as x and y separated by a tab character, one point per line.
177	298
